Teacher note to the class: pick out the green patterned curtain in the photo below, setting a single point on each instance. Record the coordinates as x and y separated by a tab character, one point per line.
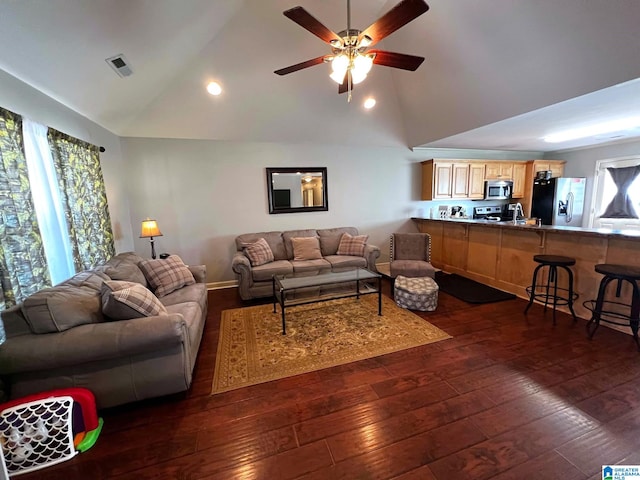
23	266
84	197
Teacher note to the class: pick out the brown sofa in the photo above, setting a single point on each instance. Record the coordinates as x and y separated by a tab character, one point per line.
256	281
60	337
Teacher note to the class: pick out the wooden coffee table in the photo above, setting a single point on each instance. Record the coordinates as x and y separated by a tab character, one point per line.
284	288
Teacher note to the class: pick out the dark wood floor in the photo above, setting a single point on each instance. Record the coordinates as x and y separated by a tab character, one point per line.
509	397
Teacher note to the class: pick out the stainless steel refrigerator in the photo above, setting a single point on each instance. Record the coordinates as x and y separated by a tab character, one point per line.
559	201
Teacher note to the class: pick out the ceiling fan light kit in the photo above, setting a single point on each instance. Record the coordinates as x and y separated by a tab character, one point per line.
350	58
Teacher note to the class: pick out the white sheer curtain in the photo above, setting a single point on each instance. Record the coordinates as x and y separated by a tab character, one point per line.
47	202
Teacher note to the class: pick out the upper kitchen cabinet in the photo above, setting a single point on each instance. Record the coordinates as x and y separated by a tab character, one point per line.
436	180
444	179
519	179
498	171
476	181
556	167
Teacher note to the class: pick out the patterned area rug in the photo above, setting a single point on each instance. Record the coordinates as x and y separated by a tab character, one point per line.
252	349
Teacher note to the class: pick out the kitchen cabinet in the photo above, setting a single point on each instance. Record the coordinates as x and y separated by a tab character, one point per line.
436	180
460	183
519	180
452	179
476	180
498	171
464	178
556	167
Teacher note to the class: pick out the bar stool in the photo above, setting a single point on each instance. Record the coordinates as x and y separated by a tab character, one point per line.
542	291
611	311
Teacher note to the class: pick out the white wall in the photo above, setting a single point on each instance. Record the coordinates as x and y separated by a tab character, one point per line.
205	193
28	102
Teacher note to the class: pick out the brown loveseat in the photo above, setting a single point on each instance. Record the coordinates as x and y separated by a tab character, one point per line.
67	335
256	280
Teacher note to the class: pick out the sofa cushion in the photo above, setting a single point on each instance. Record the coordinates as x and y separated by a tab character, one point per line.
352	245
330	238
306	248
258	252
191	293
124	266
67	305
125	300
345	262
87	278
277	267
166	275
310	266
289	234
274	239
329	244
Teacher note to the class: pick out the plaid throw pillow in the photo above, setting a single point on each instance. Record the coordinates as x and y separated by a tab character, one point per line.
352	245
258	252
124	300
166	275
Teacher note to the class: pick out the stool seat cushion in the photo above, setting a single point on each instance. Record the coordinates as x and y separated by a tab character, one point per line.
556	260
417	293
618	271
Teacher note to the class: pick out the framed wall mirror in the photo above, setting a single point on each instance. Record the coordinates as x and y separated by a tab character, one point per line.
293	190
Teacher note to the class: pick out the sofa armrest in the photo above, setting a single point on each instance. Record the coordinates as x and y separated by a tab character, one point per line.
240	262
371	253
199	272
91	342
242	267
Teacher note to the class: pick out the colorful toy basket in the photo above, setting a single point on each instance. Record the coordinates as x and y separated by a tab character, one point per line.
47	428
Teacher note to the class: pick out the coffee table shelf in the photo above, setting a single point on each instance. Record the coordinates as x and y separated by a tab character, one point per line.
366	283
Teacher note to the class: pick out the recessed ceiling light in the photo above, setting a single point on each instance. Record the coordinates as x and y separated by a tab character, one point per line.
214	88
369	103
593	130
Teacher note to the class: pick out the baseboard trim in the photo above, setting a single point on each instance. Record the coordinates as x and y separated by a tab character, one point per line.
221	285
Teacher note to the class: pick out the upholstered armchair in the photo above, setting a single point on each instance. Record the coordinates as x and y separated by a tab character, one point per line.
410	255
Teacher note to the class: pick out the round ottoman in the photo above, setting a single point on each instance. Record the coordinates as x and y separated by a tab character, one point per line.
419	293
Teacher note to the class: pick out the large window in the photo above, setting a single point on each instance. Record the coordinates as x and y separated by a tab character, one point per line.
54	219
606	188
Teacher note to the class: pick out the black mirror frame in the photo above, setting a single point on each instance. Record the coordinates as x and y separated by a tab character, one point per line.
325	196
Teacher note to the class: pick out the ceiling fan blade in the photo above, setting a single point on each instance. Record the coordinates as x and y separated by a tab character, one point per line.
398	16
310	23
300	66
397	60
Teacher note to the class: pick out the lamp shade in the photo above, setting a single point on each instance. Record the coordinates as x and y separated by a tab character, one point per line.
150	229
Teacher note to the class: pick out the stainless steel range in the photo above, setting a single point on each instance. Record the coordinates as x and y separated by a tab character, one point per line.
487	213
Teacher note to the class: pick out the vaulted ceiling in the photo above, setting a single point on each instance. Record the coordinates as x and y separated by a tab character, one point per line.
498	74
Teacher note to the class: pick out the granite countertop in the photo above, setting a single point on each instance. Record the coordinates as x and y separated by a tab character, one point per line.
633	234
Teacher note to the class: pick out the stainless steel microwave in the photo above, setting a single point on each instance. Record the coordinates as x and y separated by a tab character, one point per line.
498	189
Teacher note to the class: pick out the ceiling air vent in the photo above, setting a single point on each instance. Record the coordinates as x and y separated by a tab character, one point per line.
120	64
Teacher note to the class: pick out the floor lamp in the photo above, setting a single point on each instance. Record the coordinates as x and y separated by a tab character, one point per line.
149	230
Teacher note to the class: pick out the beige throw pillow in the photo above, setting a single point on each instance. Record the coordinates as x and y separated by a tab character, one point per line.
166	275
258	252
306	248
124	300
352	245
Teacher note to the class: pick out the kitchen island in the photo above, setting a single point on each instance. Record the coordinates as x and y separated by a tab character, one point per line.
500	254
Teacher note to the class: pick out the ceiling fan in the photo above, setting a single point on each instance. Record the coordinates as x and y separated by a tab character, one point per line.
351	55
